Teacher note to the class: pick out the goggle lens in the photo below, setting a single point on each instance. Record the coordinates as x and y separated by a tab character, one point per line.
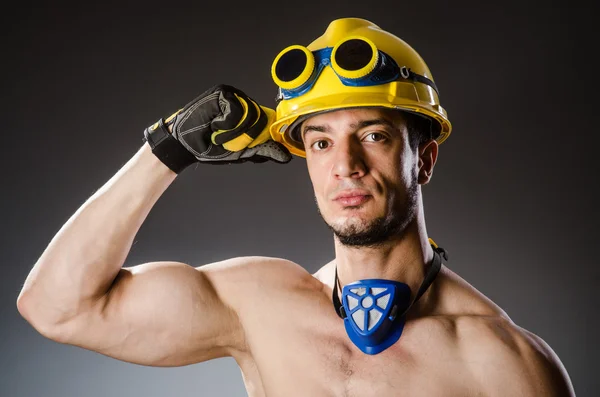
291	65
353	54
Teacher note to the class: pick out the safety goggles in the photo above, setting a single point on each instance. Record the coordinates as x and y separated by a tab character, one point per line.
355	60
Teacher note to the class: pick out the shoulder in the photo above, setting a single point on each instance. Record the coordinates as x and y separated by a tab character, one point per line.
505	357
455	297
501	355
241	277
255	264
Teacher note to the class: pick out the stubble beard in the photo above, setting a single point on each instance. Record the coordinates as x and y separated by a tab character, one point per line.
376	232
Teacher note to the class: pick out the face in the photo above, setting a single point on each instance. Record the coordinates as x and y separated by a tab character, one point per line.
364	173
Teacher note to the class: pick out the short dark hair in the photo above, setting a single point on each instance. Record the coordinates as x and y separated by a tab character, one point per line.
420	128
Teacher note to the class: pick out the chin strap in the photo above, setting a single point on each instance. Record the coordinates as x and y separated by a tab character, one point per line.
432	272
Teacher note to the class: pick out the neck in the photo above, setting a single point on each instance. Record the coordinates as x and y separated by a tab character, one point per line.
403	258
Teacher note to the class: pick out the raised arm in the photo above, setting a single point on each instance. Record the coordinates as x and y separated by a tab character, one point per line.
161	313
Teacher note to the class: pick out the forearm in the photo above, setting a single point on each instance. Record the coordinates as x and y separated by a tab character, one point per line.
85	256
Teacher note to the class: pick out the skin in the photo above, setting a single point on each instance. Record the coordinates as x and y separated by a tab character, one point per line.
274	318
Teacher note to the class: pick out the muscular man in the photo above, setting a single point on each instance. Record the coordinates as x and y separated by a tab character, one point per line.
385	317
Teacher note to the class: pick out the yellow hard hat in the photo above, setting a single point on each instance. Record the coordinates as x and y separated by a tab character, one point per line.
353	64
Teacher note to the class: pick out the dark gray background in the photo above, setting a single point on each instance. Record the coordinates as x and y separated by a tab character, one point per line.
512	198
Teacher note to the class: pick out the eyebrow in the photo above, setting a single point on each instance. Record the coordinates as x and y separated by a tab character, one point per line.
355	126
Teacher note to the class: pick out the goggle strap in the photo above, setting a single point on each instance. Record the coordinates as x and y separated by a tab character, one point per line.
411	76
418	78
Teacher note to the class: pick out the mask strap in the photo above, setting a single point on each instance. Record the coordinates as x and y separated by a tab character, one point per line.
434	268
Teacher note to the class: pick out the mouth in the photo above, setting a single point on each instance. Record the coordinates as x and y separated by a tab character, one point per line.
352	198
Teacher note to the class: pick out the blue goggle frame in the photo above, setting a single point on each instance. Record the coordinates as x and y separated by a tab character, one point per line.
386	70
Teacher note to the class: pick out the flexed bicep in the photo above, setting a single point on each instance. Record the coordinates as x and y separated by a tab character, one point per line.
159	314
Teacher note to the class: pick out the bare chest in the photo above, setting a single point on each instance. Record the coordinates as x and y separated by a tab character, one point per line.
301	348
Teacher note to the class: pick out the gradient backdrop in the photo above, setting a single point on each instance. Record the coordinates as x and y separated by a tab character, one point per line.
512	198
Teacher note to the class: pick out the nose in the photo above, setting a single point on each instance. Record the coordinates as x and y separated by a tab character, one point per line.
349	161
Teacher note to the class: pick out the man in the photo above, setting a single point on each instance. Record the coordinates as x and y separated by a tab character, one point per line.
384	318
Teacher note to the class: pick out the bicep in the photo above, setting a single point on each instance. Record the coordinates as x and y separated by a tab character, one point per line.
160	314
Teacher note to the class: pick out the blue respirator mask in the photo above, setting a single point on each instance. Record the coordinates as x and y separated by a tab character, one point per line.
374	310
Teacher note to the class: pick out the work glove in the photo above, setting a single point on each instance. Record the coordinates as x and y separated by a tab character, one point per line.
221	126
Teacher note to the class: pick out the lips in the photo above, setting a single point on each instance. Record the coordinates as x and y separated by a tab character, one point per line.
352	197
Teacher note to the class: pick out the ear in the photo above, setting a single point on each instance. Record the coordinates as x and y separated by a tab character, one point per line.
428	153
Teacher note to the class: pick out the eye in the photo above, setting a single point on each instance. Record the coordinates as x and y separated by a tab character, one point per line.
320	145
375	137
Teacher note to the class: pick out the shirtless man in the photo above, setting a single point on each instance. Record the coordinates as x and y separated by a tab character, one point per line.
367	161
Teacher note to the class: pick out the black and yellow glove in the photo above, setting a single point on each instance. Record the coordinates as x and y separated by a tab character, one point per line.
221	126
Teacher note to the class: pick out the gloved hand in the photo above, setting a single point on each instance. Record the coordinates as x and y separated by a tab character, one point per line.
221	126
